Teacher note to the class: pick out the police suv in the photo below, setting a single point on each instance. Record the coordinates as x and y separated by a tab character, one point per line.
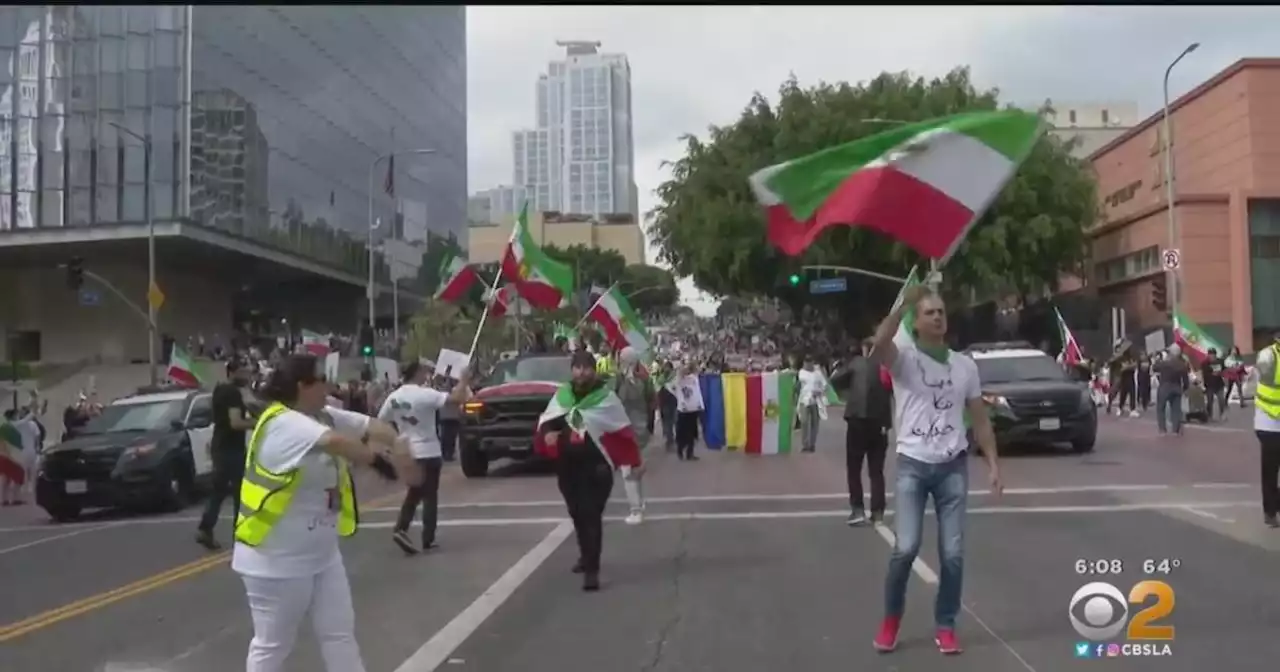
1031	399
150	449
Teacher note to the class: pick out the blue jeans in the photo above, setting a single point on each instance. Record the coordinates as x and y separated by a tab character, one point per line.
1169	406
948	483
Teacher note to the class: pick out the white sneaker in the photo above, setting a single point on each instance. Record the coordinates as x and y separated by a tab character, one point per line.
1133	414
635	518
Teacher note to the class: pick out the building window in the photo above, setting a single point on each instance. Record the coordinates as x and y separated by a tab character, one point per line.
1071	117
1264	247
1106	118
1131	265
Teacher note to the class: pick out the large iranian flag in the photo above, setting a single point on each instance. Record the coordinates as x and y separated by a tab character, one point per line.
182	368
620	322
600	416
456	277
771	412
1194	341
1071	354
924	184
541	280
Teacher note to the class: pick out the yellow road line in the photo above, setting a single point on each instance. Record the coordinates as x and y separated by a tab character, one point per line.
95	602
14	630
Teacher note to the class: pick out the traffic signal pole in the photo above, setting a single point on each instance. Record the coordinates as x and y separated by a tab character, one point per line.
856	271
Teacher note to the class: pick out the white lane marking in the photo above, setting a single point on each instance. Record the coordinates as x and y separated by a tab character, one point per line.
1080	489
437	650
926	574
923	570
694	499
830	513
1208	514
57	537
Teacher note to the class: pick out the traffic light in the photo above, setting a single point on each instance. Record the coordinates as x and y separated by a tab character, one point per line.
794	280
366	341
75	273
1160	293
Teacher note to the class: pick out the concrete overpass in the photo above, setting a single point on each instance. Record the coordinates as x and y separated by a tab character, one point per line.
207	276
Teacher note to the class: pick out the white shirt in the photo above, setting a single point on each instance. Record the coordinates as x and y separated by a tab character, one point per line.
688	394
305	540
929	402
1265	367
813	387
413	410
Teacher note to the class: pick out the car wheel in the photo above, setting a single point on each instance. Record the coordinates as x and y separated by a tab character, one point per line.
475	464
63	513
178	486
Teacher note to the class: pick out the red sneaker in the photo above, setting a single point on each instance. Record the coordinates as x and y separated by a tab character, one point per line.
947	643
887	639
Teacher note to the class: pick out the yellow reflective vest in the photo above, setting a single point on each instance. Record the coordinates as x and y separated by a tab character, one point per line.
1267	396
265	495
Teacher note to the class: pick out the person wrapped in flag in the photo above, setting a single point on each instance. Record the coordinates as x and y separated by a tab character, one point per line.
586	430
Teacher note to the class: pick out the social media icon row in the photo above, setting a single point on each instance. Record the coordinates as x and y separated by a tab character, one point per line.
1096	650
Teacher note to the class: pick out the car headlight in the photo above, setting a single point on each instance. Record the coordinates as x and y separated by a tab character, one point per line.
995	400
135	452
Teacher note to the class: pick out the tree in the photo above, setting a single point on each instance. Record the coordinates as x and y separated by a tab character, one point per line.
709	226
650	288
444	325
591	265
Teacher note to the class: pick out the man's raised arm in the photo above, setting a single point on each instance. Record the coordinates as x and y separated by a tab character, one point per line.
883	350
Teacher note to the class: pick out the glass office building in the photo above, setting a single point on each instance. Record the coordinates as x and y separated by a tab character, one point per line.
263	121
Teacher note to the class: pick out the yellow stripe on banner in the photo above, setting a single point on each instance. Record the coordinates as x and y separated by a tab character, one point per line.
735	410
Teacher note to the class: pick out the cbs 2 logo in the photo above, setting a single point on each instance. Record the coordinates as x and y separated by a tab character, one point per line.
1102	611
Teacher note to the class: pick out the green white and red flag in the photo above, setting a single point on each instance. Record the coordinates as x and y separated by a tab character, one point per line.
457	277
620	322
542	281
1071	353
11	461
1194	341
600	416
924	184
771	408
182	368
315	343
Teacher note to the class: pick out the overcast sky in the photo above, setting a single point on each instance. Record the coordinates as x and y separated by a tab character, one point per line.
696	66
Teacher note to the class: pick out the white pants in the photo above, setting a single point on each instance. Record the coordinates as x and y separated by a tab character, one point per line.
278	607
634	487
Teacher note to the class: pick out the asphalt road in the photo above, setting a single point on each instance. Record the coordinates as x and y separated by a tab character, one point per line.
744	564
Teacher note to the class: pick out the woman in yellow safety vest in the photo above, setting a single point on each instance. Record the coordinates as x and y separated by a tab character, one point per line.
296	500
1266	423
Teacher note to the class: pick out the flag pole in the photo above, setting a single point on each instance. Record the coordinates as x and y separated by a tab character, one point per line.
593	306
493	289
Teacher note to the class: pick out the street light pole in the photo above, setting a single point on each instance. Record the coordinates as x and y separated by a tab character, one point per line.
373	225
151	247
1170	178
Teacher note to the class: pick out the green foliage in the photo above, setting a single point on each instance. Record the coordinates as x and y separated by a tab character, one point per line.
649	288
591	265
709	226
444	325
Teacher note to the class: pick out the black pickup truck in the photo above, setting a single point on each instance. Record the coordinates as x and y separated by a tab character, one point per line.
500	420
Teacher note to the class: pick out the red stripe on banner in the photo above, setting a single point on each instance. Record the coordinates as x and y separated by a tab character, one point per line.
755	413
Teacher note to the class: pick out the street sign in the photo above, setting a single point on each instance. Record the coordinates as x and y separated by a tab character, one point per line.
155	297
90	297
1172	259
828	286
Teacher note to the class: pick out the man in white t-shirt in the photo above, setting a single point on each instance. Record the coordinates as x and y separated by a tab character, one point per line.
935	391
412	408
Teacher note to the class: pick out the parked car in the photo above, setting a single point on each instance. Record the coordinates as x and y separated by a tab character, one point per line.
148	449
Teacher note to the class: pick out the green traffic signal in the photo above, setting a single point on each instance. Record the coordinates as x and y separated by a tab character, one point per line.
795	279
368	350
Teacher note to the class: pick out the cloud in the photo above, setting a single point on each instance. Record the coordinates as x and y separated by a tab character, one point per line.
694	66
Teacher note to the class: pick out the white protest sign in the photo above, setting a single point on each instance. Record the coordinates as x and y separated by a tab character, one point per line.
451	363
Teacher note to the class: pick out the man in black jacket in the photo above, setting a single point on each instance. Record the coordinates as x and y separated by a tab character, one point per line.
868	415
